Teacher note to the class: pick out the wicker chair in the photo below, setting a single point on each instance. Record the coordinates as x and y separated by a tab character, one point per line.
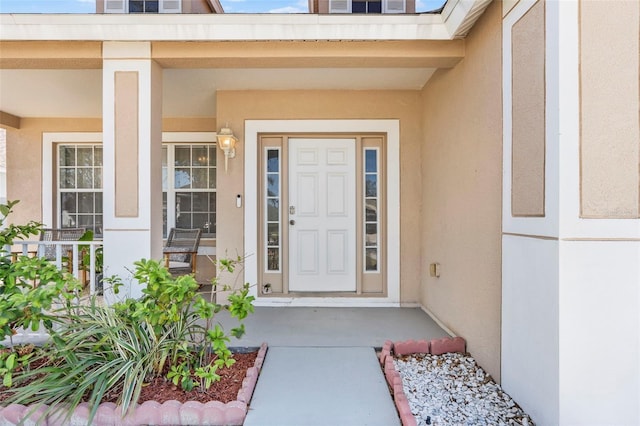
181	250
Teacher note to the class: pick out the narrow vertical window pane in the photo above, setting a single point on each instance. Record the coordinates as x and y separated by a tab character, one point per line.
371	185
371	161
67	156
164	215
97	156
371	259
273	162
85	177
273	259
67	178
199	156
371	210
212	178
273	234
85	202
182	156
272	185
97	177
371	214
272	209
199	178
371	235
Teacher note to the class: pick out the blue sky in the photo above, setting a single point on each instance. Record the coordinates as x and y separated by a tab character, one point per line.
230	6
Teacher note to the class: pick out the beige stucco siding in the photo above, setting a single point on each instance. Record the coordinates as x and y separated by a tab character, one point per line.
528	113
24	160
610	130
234	107
462	178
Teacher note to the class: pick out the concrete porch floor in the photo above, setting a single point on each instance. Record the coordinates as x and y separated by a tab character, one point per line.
332	327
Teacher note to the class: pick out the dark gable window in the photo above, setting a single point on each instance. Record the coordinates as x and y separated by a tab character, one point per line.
366	6
143	6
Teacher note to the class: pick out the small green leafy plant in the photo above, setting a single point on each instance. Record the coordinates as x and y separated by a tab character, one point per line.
29	286
167	332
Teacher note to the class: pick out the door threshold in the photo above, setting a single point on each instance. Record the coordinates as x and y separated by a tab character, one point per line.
328	302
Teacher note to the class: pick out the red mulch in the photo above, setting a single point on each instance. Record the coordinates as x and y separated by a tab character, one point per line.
161	389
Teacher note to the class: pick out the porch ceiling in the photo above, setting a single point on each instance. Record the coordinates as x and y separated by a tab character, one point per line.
64	79
50	65
186	92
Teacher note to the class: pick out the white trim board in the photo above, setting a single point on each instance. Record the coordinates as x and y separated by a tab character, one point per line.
392	130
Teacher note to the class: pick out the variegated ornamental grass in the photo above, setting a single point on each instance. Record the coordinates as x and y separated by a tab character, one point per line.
95	350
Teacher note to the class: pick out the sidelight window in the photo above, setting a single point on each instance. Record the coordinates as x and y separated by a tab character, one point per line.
272	194
371	209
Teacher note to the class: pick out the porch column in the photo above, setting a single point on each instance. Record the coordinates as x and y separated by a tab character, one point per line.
132	144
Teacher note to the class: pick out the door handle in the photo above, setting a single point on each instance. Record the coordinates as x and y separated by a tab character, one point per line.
292	222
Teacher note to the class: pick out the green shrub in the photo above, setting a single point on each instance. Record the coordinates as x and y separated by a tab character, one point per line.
97	349
29	287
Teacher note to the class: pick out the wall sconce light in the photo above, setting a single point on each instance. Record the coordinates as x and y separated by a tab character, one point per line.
227	143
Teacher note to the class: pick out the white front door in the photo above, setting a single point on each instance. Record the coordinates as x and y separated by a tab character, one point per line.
322	215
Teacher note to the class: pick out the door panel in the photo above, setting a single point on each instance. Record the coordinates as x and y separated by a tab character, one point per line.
322	214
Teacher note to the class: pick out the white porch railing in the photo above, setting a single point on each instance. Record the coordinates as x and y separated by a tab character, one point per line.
64	250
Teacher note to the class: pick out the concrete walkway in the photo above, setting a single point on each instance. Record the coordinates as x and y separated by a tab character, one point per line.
321	367
321	386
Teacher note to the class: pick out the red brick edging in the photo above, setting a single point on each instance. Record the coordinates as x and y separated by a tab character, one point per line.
150	412
408	347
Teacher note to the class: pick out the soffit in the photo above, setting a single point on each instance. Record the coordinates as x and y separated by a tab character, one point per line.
50	54
309	54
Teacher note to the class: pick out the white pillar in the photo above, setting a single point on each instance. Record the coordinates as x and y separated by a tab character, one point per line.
571	284
132	132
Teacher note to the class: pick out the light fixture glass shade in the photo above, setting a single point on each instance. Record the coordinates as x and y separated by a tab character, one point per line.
227	143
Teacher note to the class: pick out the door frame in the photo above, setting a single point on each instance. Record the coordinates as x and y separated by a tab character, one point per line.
392	130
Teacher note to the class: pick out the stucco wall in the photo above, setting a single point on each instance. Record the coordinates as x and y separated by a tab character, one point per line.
610	130
236	106
528	113
462	178
24	160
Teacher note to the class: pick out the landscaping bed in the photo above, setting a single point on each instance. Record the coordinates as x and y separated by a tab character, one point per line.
437	383
162	402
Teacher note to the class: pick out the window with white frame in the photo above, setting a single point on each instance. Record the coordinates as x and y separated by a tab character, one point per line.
80	186
272	194
367	6
372	209
188	185
141	6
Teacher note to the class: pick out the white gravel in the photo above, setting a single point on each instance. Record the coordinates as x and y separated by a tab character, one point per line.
451	389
